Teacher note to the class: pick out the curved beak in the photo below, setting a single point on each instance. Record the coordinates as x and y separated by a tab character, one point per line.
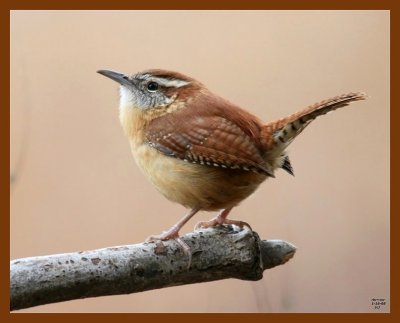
115	76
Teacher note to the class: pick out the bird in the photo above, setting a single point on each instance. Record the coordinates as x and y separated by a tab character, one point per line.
199	149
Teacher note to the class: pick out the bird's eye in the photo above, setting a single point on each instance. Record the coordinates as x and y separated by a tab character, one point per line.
152	86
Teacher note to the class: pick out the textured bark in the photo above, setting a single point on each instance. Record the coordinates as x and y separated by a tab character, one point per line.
217	253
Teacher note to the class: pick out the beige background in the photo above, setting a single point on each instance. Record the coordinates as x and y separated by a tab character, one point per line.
76	186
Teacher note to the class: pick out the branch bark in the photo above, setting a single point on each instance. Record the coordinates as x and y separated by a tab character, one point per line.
217	253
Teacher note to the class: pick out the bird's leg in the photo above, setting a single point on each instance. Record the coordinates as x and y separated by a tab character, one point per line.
221	219
173	233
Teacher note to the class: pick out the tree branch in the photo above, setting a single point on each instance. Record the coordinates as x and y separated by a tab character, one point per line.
217	253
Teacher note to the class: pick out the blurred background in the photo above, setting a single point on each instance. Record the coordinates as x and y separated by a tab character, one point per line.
75	186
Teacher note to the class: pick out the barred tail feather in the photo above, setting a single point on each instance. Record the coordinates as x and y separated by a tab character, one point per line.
279	134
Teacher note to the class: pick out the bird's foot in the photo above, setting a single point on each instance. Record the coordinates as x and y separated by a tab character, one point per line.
173	234
216	221
221	219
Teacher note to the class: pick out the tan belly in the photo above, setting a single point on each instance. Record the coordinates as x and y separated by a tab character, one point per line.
196	186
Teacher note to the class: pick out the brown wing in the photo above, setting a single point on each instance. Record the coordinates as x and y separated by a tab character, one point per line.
206	139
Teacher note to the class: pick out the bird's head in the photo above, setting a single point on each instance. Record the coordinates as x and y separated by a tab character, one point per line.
152	88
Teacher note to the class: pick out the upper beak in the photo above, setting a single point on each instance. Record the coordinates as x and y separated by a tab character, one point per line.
118	77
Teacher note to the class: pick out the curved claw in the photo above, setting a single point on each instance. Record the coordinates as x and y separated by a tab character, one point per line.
173	235
166	235
219	220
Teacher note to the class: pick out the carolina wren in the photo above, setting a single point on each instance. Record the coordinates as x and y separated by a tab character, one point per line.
200	150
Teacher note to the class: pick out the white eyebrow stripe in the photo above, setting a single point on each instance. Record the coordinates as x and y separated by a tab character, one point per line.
169	82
